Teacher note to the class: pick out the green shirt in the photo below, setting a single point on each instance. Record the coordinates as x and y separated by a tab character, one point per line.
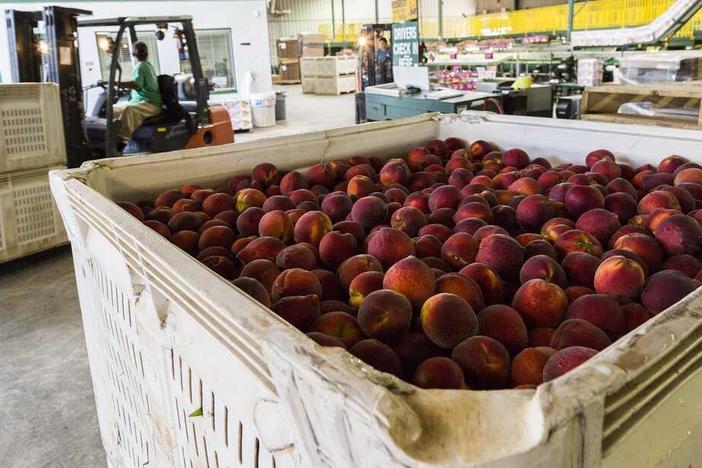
144	76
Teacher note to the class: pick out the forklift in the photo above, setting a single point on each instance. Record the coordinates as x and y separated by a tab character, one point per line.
186	121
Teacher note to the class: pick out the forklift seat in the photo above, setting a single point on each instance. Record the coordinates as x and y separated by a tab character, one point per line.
171	110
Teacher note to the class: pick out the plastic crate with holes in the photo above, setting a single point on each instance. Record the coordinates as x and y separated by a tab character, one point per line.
29	220
31	130
188	371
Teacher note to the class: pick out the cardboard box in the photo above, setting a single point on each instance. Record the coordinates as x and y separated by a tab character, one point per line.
289	71
311	44
288	48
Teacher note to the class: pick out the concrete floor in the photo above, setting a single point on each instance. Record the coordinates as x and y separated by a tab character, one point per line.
47	408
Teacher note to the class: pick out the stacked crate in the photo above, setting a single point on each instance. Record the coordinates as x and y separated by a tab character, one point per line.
288	49
590	72
329	75
31	144
336	75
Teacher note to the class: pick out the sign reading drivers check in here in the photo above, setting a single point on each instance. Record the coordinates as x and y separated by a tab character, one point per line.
405	44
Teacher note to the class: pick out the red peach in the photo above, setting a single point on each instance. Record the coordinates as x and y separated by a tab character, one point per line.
566	360
577	332
463	287
540	303
411	277
545	268
504	324
378	355
438	372
489	281
527	366
665	288
484	361
502	253
602	311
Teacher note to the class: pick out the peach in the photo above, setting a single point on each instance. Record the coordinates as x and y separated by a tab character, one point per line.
421	180
335	247
415	158
566	360
545	268
479	148
159	227
292	181
356	265
469	225
600	223
201	194
394	171
265	173
353	228
337	206
417	200
689	175
168	198
541	336
602	311
389	246
643	245
325	340
186	204
296	256
413	349
299	311
515	157
378	355
442	216
369	211
455	145
576	240
302	195
228	216
438	372
338	325
266	248
620	185
364	169
215	250
447	319
264	271
658	199
397	193
636	315
186	240
665	288
533	211
622	205
218	202
321	174
436	263
685	264
247	222
427	245
574	292
680	234
578	332
295	282
459	250
460	177
670	163
685	198
188	189
485	362
540	303
411	277
364	284
214	222
621	278
582	198
276	224
184	221
505	325
461	286
627	229
489	281
311	227
540	247
254	289
438	230
607	168
385	315
220	236
502	253
439	148
598	155
446	196
527	366
360	186
162	214
223	266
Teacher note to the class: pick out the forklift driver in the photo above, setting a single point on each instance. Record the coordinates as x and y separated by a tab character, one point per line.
145	98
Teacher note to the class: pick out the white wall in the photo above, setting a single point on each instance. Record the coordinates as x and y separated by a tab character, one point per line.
247	20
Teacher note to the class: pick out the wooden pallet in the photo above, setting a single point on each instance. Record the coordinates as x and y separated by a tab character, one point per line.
601	103
286	82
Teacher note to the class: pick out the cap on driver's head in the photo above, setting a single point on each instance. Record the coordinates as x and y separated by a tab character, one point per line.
140	49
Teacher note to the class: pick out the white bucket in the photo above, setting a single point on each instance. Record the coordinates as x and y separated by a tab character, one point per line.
263	109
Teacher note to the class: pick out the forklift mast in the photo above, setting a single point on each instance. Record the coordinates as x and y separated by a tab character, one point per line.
64	69
23	46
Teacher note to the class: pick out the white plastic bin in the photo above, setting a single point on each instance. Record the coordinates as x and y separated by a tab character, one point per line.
189	371
263	109
31	128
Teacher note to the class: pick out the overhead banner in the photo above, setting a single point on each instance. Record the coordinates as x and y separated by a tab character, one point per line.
404	10
405	44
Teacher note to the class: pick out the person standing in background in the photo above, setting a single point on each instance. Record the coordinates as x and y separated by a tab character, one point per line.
383	59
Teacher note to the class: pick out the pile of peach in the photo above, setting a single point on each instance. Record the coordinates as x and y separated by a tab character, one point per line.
452	267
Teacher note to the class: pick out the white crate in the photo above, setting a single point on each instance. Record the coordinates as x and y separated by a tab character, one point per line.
309	84
308	66
31	129
331	66
29	220
166	336
335	85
